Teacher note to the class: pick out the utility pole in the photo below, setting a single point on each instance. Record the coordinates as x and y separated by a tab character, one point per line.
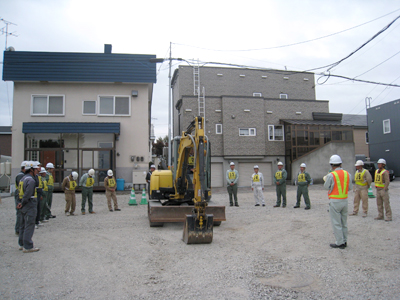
169	107
4	30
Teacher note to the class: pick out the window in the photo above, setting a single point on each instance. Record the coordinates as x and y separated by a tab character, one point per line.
114	105
386	126
366	137
50	105
283	96
257	94
247	131
218	128
89	107
275	132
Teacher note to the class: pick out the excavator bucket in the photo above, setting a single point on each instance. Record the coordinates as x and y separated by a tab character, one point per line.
193	233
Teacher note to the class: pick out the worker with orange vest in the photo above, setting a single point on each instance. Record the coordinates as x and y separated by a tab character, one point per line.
338	183
382	191
363	180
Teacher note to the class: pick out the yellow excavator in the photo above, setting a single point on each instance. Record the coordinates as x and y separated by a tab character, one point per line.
183	193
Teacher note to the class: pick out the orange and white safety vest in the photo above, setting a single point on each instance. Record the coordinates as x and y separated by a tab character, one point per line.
379	179
340	190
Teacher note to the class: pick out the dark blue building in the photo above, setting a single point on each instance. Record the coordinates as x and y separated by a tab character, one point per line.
384	133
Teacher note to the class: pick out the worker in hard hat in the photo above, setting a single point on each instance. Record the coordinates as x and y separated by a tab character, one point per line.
16	196
69	186
27	203
50	189
257	186
110	184
280	183
363	180
338	182
148	177
303	181
382	191
87	182
43	203
232	177
39	190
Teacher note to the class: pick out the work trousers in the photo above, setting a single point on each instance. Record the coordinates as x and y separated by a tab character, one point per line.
361	193
303	190
338	213
39	204
70	201
87	193
27	228
17	214
43	206
49	200
111	195
232	190
382	201
258	194
281	193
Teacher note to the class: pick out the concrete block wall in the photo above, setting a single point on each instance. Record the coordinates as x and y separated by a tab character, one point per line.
244	82
318	161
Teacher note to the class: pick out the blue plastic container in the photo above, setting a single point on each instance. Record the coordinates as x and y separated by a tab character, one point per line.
120	184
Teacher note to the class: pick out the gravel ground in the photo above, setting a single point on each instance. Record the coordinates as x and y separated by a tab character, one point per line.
258	253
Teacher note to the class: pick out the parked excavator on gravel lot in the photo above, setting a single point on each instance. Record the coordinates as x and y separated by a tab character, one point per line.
183	193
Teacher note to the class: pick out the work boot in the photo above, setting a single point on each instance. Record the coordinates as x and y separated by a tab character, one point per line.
117	209
364	215
83	213
378	218
257	204
338	246
353	214
236	204
30	250
91	212
276	205
296	206
306	208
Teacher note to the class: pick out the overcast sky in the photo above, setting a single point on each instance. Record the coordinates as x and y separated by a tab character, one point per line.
214	31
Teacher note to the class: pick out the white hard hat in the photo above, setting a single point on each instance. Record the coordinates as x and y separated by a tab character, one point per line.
335	160
280	163
42	170
35	164
74	175
38	163
359	163
255	167
28	165
23	164
91	172
50	165
381	161
232	163
152	166
109	173
303	165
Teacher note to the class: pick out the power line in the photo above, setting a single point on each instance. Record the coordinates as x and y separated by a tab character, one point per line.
288	45
358	49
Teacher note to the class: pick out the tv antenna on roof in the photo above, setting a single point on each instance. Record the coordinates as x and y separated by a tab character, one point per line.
4	30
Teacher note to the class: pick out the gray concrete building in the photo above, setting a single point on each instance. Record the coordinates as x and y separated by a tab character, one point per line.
245	111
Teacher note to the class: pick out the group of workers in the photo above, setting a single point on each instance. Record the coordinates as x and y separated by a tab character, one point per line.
337	182
33	198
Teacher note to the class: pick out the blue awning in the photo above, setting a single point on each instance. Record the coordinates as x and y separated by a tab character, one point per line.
70	127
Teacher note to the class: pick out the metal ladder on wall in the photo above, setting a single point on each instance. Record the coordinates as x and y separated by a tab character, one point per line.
202	103
196	91
196	80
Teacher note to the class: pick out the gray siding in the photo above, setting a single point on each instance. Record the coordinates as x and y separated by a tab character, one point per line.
385	145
